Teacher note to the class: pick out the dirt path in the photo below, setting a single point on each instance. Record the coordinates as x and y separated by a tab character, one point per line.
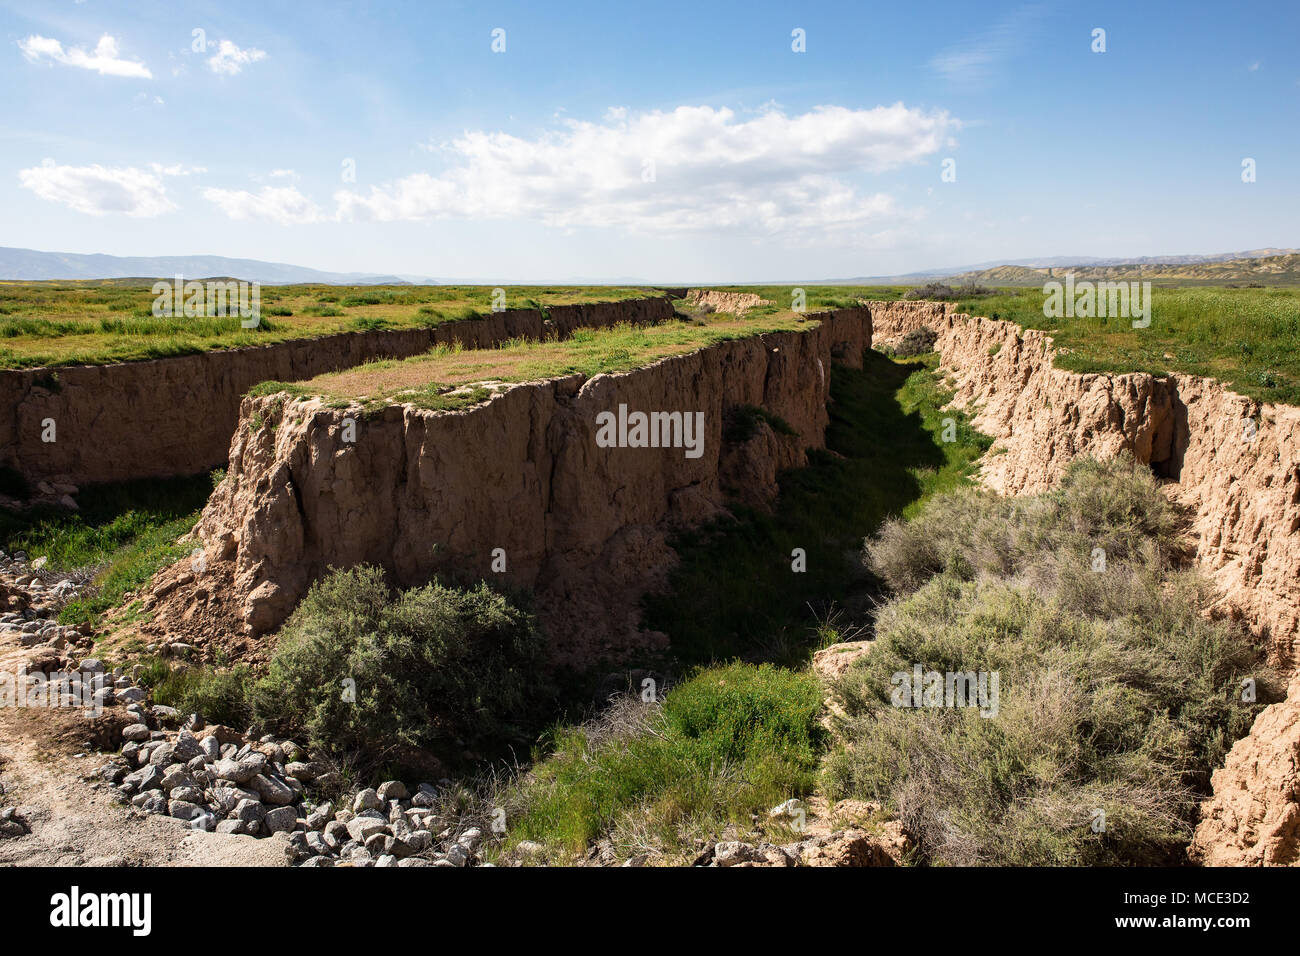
76	822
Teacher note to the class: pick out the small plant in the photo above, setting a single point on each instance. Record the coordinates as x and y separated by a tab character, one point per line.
220	696
741	423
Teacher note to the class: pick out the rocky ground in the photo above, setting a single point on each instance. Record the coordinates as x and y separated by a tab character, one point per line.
138	783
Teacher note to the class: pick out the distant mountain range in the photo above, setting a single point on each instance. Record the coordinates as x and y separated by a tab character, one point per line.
1281	269
1272	266
31	265
1232	265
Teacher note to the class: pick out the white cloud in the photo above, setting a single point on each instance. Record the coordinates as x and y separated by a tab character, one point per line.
99	190
283	174
230	59
711	171
177	169
103	60
974	62
284	205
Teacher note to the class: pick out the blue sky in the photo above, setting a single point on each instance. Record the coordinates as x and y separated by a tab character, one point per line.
665	142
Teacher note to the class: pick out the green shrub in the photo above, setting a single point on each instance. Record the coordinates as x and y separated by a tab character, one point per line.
434	667
1117	694
946	293
1115	506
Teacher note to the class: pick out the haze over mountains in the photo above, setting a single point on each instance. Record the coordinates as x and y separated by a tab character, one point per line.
32	265
1270	264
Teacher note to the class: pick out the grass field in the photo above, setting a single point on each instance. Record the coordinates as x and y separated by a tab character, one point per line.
1248	338
74	323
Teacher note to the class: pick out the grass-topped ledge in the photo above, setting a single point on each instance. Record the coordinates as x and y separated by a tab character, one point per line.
450	377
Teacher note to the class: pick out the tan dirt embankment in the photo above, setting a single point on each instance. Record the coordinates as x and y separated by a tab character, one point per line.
175	416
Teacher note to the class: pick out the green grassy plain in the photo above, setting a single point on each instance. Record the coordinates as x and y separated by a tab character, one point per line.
76	323
1248	338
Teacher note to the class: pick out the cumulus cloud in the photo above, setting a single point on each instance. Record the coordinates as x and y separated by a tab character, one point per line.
99	190
230	59
103	59
281	204
692	169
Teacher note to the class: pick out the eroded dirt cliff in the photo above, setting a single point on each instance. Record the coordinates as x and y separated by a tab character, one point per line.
421	492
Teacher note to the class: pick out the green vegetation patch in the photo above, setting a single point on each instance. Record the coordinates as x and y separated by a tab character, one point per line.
732	741
1248	338
91	323
1115	695
735	592
450	377
123	533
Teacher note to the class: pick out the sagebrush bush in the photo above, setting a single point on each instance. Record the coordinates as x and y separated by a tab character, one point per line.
1114	506
945	292
916	342
1116	693
434	667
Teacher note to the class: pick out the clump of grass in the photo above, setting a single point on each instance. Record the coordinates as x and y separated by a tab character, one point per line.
1117	695
219	695
729	742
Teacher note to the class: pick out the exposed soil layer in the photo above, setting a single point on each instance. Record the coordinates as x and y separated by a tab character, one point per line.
737	303
1235	465
175	416
421	492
